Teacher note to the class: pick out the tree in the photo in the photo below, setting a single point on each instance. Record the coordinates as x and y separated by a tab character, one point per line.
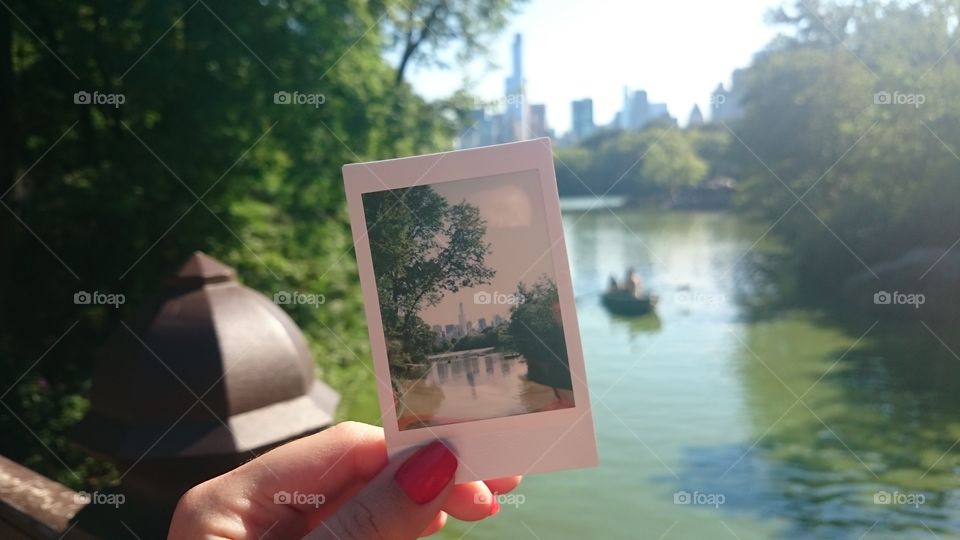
422	247
537	332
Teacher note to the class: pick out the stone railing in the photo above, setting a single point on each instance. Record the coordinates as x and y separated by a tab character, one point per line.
207	375
33	506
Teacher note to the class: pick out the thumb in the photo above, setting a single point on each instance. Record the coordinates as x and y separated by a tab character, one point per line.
399	503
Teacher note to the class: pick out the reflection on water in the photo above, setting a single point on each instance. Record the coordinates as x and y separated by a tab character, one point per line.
703	399
471	385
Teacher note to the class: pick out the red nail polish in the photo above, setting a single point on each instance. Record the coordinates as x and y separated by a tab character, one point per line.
424	475
495	506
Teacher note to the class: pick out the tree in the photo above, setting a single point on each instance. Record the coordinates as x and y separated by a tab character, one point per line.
711	142
537	333
105	198
422	247
419	30
821	122
489	337
670	160
638	164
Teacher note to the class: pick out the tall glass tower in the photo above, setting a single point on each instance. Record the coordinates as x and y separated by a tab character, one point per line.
515	116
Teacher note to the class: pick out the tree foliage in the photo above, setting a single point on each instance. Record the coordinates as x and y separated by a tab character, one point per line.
854	113
536	330
200	155
422	247
671	161
655	160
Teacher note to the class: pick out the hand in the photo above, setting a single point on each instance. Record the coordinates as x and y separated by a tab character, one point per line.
336	484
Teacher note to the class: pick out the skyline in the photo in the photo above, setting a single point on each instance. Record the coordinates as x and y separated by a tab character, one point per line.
512	206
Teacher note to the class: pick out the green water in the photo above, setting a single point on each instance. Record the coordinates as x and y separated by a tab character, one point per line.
704	399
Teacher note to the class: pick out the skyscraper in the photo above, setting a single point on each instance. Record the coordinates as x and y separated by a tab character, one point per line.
514	116
481	324
696	117
727	103
452	331
490	126
582	118
537	121
462	319
477	132
638	111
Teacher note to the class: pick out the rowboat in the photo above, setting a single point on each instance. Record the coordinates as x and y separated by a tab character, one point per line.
624	303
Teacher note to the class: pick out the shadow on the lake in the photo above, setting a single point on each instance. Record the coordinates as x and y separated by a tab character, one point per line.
809	499
637	326
880	417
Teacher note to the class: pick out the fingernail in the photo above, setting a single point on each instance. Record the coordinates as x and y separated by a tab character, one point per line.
424	475
495	506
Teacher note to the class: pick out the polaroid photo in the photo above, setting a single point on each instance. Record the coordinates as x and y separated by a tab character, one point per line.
470	308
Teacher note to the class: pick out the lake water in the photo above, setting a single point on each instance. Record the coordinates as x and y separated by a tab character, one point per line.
471	385
720	418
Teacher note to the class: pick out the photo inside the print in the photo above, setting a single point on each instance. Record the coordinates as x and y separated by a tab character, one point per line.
468	300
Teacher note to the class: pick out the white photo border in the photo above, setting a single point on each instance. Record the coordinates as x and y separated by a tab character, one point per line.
495	447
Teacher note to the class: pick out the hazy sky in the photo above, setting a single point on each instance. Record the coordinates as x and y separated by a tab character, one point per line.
513	207
677	51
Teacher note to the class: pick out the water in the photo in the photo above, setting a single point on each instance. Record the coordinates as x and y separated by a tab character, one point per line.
469	300
475	385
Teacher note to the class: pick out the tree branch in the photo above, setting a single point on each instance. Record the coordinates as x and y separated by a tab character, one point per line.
411	44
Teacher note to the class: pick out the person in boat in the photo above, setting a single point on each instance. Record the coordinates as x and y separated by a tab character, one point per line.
612	285
633	284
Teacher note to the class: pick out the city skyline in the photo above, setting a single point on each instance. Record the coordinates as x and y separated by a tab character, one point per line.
512	118
639	51
465	327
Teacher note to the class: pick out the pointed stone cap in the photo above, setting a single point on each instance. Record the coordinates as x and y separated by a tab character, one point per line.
210	368
199	270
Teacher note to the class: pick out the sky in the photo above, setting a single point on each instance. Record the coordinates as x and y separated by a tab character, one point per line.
677	50
512	206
